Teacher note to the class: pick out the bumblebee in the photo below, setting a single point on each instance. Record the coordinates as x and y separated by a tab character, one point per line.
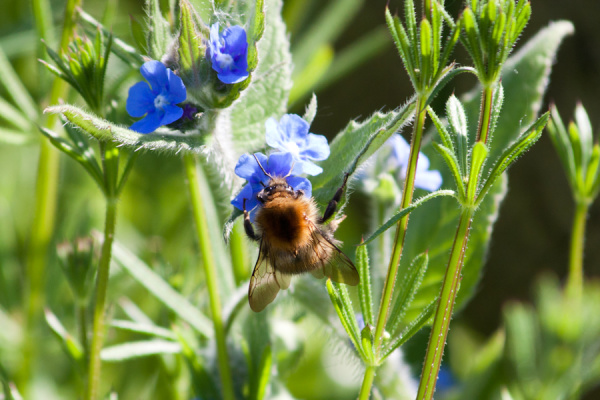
294	240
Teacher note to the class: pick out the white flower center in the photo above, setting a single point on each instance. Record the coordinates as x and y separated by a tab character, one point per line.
224	60
160	101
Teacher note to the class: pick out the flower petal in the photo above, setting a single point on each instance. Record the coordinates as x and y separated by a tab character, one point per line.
177	92
316	147
274	134
235	40
310	168
280	164
428	180
155	73
140	100
149	123
172	114
230	77
294	127
300	183
400	150
248	194
247	168
422	162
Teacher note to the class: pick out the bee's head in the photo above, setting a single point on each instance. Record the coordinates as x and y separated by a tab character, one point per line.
276	187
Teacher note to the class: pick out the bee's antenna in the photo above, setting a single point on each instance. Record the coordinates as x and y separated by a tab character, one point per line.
291	169
261	167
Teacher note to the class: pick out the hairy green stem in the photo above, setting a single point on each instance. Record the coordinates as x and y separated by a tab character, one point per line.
407	195
392	272
100	301
365	389
443	314
110	161
575	277
204	235
485	114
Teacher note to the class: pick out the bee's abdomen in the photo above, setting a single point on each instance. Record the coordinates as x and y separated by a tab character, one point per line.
284	225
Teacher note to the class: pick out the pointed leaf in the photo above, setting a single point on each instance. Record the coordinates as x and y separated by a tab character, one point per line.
524	143
162	290
452	164
364	287
411	281
353	146
70	344
346	316
162	140
458	125
396	217
145	329
142	348
159	30
478	157
586	136
562	145
311	110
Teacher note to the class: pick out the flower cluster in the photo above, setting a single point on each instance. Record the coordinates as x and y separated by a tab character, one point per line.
156	98
297	148
228	53
276	165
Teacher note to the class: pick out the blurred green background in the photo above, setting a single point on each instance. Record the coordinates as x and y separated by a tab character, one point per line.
533	231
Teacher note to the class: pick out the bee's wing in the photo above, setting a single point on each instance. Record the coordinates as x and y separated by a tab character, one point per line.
265	281
338	267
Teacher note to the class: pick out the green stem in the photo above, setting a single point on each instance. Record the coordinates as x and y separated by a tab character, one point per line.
82	322
575	278
485	113
100	301
390	280
239	251
203	233
45	197
407	195
365	389
443	314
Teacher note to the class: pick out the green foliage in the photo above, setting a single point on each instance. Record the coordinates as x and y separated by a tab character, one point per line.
578	154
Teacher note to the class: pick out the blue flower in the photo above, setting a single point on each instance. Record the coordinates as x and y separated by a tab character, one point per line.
277	165
424	179
157	100
228	52
291	135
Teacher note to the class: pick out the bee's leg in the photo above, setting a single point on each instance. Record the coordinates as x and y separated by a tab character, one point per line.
332	206
248	225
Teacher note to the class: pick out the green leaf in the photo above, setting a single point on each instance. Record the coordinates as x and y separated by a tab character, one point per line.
15	137
143	348
411	281
354	145
311	110
76	154
458	125
14	117
191	48
264	373
144	329
478	157
562	145
452	164
159	30
521	145
586	136
71	345
103	130
316	69
346	316
364	287
415	326
162	290
15	89
396	217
